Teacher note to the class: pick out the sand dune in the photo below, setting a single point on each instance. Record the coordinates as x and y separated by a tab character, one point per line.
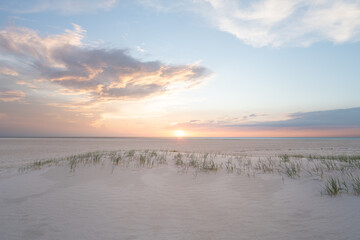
154	195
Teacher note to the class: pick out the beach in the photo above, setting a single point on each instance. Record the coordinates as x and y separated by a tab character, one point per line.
138	188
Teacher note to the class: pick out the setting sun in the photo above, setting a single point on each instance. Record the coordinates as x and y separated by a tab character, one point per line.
179	133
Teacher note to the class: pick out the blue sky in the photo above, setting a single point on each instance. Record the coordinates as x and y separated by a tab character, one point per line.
229	60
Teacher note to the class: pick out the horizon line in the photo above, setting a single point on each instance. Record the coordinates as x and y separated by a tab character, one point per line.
337	137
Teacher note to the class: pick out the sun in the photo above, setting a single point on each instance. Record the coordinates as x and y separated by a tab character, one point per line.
179	133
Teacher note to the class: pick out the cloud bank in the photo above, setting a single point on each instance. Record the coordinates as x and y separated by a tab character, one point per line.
102	74
338	118
340	122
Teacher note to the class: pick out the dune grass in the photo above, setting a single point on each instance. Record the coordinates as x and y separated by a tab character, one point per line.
329	169
333	186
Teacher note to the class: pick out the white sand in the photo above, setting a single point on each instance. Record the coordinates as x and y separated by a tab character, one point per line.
99	202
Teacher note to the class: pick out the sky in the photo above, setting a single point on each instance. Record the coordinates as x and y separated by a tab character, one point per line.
192	68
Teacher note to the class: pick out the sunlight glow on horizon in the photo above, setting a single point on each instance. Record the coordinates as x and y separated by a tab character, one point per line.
179	133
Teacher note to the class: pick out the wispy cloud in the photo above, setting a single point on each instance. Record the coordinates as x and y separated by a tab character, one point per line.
11	95
4	70
220	122
278	22
259	23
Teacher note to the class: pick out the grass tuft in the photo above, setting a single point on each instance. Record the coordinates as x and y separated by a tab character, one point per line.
333	186
178	159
